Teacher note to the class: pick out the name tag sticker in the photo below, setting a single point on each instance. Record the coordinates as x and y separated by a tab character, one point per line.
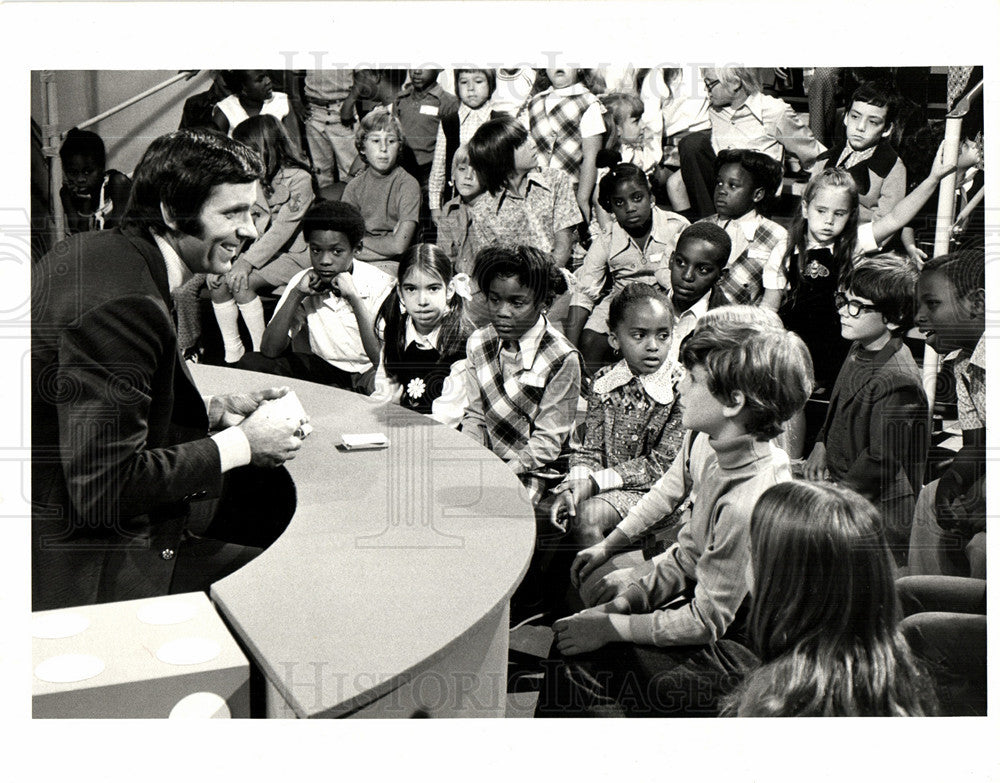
656	257
531	379
431	110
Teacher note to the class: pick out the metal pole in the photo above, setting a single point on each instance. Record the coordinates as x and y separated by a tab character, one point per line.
942	232
134	99
50	134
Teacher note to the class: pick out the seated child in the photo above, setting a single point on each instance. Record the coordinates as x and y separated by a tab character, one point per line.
742	382
522	204
823	613
744	181
741	117
696	264
423	331
280	251
949	523
633	428
92	198
336	300
874	437
454	235
474	88
251	93
624	141
868	154
639	243
388	197
523	381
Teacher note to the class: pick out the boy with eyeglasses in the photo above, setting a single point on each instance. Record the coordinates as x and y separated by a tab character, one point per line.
874	439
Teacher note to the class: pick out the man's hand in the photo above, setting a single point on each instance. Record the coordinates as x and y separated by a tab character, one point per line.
564	509
229	410
273	441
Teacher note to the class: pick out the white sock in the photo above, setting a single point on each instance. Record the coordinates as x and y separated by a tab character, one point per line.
227	314
253	317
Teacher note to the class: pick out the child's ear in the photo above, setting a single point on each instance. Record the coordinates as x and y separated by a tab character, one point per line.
975	303
888	130
805	209
736	404
168	217
356	249
758	195
613	341
449	291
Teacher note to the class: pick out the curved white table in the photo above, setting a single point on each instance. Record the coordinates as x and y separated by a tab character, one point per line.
387	595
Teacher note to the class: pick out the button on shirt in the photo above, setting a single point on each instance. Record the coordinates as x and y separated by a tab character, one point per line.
333	328
767	125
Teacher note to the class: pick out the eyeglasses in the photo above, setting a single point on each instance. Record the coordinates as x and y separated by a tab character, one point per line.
854	307
711	84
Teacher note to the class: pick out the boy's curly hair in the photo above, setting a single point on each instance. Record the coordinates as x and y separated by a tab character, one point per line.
770	367
533	268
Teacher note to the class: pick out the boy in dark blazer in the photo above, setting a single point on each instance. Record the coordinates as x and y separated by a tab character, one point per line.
874	439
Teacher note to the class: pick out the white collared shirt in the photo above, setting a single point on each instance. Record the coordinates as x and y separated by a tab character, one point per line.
334	334
684	324
765	124
234	448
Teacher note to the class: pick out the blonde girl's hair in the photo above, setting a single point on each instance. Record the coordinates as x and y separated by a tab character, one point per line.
844	245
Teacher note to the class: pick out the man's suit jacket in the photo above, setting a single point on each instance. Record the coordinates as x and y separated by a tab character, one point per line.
121	459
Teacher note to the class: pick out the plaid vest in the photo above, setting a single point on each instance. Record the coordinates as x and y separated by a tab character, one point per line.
557	133
742	281
510	409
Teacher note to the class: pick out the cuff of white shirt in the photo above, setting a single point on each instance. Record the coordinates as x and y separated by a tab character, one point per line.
234	448
607	479
866	238
578	473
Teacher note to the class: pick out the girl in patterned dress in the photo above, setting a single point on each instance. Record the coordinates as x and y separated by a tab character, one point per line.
423	329
633	429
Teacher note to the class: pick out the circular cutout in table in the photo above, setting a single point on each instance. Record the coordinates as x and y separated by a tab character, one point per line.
69	668
188	651
201	705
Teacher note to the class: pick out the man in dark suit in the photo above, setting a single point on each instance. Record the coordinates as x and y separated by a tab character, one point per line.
132	496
